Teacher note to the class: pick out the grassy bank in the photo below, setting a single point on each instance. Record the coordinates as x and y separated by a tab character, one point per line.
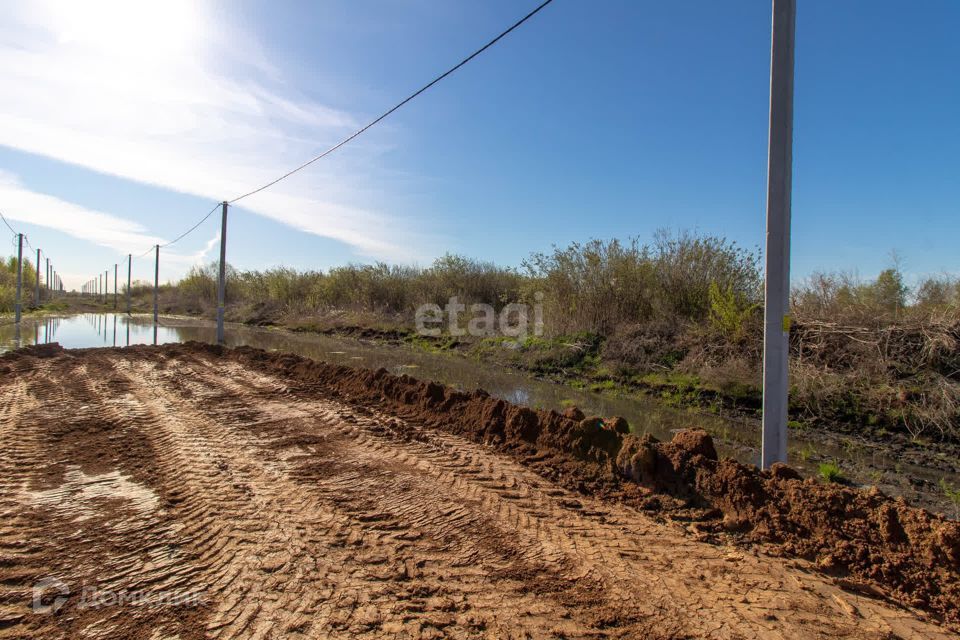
679	317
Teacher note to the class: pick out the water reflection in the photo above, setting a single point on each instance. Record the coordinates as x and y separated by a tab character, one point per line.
43	330
86	331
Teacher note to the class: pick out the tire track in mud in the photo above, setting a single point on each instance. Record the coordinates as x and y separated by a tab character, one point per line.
88	523
297	515
17	553
515	496
397	570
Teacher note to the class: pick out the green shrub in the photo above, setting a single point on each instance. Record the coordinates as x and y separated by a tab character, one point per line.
600	285
729	312
830	472
8	284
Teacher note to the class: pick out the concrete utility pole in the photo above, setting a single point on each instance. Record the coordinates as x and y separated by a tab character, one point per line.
114	288
99	286
46	280
19	273
36	284
106	285
156	285
222	283
776	312
129	265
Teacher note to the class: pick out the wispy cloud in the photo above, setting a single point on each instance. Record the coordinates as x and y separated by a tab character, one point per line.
20	204
104	229
152	92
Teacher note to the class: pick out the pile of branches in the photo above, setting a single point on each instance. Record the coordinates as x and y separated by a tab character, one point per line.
907	347
905	372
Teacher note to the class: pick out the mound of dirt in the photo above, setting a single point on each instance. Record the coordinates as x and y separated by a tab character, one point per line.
20	358
48	350
875	544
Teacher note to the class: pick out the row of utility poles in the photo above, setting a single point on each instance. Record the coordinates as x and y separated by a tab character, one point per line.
50	286
99	286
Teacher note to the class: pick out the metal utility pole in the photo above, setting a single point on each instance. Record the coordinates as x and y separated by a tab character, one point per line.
36	284
776	312
129	265
19	273
115	288
156	285
222	284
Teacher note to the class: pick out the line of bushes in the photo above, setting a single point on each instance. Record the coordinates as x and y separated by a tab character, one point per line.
8	284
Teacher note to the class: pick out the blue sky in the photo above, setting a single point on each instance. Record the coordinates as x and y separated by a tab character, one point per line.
123	123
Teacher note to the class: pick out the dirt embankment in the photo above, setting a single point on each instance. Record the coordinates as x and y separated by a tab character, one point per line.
871	542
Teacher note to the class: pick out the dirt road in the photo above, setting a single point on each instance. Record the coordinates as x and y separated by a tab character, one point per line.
187	496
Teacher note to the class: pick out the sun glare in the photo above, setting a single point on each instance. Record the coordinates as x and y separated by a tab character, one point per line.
147	32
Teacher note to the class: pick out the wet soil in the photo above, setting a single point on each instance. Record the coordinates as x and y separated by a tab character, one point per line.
245	494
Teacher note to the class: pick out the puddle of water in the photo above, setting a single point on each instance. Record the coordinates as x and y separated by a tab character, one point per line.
86	331
736	437
79	490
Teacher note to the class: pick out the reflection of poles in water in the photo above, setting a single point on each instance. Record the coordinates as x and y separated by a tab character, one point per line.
114	329
16	337
128	332
36	332
154	334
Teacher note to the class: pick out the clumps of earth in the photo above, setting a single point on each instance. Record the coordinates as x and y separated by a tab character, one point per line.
870	542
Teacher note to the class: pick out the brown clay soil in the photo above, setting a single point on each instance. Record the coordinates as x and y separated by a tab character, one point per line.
188	491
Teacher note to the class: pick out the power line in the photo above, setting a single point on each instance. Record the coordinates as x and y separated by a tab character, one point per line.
368	126
352	136
182	235
191	229
399	104
8	224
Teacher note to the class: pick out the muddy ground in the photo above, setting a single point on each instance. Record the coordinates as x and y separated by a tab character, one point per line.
189	492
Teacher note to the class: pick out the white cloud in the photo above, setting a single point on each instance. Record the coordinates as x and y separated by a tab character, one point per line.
156	93
96	227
